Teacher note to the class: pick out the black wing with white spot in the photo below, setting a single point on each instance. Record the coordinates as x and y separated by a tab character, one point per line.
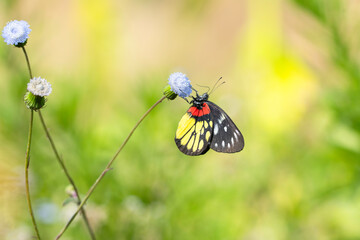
226	136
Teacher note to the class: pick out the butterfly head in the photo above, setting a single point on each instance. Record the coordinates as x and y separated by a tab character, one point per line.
199	99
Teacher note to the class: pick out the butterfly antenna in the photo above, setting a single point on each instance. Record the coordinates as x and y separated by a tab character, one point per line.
197	93
216	85
204	87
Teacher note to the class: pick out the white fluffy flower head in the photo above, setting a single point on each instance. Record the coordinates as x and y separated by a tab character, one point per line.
16	32
180	84
39	87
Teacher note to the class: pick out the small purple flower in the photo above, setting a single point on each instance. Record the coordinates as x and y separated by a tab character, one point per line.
180	84
16	32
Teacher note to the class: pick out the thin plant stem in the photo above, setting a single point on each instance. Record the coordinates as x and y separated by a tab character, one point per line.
107	168
27	164
27	61
61	162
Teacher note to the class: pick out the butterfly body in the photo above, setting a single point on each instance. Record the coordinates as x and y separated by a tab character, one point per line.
205	125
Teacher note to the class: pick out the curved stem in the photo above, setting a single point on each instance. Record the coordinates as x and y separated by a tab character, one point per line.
27	61
62	164
107	168
27	164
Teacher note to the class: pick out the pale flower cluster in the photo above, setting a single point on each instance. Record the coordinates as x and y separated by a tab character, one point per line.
180	84
16	32
39	87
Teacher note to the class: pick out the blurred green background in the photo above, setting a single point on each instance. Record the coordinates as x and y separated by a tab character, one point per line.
293	82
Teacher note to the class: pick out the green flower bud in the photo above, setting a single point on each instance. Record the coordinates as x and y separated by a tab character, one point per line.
70	191
34	102
169	93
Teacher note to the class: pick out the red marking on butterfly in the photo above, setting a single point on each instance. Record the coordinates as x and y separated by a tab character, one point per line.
199	112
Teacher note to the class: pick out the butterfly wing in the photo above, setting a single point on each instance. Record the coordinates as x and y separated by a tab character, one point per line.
194	132
226	136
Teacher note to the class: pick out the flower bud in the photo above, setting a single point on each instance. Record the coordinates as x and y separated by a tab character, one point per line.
168	93
70	191
34	102
37	88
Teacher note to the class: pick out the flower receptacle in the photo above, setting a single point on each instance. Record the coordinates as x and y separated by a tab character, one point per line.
34	102
169	93
20	44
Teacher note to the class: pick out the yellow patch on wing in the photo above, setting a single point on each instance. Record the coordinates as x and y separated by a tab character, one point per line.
193	134
201	144
190	143
187	136
199	129
199	126
207	135
184	126
196	143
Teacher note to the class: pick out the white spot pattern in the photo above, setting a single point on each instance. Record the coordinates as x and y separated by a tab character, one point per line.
216	145
223	143
236	137
225	129
216	129
232	141
221	119
228	145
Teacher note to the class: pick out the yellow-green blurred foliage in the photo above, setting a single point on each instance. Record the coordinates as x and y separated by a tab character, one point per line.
292	87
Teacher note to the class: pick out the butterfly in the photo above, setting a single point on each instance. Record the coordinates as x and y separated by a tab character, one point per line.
205	125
